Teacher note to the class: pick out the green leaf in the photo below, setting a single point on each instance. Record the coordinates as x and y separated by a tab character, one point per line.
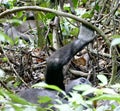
74	32
15	22
5	38
16	107
15	103
39	85
117	108
44	3
8	79
107	97
82	87
2	74
63	107
97	7
50	15
19	14
17	83
103	79
108	91
115	42
88	14
117	85
4	59
116	36
84	1
75	3
14	98
89	91
98	92
44	99
17	99
44	85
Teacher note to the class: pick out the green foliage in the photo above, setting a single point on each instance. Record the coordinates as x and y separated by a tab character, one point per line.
10	3
116	36
44	99
44	85
19	14
84	1
103	79
44	3
15	22
116	40
68	30
10	101
96	7
76	102
4	59
88	14
2	74
75	3
5	38
107	97
11	21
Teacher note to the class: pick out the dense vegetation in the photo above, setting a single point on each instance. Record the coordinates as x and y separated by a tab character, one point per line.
31	30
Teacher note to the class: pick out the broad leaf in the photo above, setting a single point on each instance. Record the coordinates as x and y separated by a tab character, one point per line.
5	38
115	42
103	79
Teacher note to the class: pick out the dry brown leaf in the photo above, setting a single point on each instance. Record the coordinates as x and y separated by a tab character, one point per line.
80	61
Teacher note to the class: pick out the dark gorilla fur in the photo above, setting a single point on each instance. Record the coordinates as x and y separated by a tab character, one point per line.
55	63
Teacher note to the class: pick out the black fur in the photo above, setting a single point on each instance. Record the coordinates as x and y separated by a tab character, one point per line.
55	63
54	72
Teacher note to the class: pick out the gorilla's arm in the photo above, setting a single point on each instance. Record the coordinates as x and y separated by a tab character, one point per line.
55	63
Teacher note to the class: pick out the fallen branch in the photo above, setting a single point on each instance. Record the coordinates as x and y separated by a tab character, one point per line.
78	73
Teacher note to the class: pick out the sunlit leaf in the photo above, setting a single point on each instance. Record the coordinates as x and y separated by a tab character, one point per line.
107	97
5	38
117	85
44	85
115	42
117	108
82	87
17	99
89	91
108	91
84	1
63	107
2	74
14	21
75	3
44	99
50	16
88	14
103	79
97	7
4	59
19	14
116	36
98	92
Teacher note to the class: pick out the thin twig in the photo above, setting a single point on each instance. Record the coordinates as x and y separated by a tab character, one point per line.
78	73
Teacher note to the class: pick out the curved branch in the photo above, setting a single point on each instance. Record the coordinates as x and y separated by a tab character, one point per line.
59	13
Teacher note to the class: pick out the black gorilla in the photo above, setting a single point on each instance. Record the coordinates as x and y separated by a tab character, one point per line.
33	95
55	63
